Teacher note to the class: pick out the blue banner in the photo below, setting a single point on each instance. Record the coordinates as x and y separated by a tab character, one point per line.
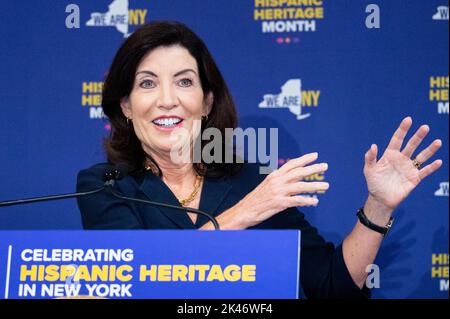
150	264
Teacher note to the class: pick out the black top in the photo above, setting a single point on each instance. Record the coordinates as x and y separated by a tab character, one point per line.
323	272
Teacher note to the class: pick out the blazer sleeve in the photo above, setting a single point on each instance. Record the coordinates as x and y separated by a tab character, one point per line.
102	210
323	273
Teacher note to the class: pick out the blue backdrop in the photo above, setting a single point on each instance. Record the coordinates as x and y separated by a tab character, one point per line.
358	80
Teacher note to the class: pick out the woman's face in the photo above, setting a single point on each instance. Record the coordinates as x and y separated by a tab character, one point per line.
166	95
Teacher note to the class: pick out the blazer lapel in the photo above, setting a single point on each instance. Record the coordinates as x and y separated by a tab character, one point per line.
156	190
214	192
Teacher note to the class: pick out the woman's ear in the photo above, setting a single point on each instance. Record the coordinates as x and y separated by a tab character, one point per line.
126	108
209	100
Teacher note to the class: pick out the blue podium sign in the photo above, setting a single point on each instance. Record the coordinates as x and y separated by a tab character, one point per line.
172	264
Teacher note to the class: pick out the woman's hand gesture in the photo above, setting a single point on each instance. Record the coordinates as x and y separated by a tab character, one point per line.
392	178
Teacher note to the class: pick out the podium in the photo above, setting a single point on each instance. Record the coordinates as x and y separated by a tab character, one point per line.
148	264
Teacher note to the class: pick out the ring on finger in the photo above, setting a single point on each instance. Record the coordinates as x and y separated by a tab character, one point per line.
416	163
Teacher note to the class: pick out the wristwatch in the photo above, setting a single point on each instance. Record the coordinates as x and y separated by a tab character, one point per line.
366	222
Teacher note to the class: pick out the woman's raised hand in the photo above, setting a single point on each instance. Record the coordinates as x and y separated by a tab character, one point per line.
280	190
391	178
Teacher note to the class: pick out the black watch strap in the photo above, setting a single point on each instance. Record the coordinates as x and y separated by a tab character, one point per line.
366	222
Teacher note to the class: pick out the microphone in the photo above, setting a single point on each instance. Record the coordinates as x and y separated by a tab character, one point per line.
51	197
110	177
121	171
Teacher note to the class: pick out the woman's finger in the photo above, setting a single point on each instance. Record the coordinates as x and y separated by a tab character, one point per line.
300	173
415	141
399	135
430	169
371	156
299	161
299	200
426	154
307	187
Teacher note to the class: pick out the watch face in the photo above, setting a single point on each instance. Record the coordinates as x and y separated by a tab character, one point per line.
389	224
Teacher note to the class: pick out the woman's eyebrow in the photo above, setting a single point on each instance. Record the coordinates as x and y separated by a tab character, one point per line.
185	71
147	72
176	74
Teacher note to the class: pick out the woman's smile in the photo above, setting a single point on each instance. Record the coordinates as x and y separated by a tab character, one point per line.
168	122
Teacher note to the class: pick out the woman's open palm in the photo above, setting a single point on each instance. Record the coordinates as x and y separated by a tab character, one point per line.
392	178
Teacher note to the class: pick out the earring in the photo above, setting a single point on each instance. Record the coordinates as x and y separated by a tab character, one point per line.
128	121
205	117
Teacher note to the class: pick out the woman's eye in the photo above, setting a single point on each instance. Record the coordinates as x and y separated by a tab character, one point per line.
146	84
185	82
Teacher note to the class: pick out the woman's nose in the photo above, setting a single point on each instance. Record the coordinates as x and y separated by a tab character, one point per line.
167	97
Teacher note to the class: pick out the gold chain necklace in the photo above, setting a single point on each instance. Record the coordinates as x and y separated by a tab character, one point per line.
191	197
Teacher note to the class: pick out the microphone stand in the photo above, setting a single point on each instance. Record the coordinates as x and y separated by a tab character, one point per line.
108	186
49	198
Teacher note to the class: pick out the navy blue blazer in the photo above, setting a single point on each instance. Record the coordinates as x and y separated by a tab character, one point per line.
323	272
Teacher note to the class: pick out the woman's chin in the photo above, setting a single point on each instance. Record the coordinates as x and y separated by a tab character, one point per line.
163	142
166	147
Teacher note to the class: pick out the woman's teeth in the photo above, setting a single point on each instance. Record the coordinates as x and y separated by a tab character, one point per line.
167	122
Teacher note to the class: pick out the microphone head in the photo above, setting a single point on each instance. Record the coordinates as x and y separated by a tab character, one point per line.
120	171
116	173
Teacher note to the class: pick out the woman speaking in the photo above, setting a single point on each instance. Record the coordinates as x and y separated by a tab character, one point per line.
164	79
